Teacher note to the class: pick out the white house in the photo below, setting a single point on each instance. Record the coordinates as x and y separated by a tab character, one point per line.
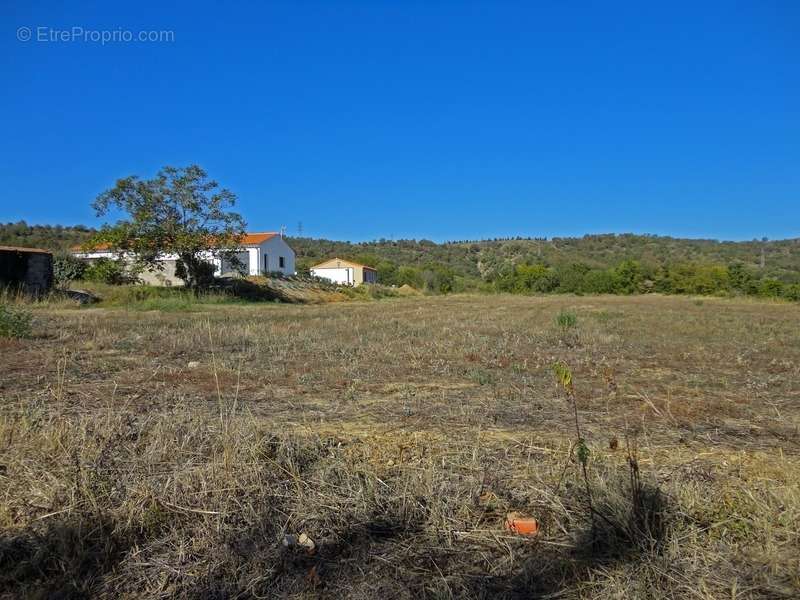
345	272
258	253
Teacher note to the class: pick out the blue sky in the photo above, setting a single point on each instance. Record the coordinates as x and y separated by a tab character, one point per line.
438	120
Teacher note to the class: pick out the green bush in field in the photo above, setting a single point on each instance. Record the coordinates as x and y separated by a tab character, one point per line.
14	323
66	269
792	292
106	270
629	277
438	279
572	279
533	278
770	288
405	276
566	320
740	279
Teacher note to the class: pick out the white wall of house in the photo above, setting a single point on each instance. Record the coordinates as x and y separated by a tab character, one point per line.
155	276
272	251
272	255
340	275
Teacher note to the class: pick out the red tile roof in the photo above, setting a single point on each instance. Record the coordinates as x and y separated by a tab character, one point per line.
248	239
254	239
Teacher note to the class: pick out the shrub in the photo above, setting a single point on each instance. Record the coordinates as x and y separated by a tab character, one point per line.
438	279
566	320
770	288
599	282
740	278
378	291
533	278
481	377
693	278
570	278
14	323
628	277
792	292
106	270
66	269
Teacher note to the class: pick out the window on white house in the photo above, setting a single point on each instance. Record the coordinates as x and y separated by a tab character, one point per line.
266	264
281	262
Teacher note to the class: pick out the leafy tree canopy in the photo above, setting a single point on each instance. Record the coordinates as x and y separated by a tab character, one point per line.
180	211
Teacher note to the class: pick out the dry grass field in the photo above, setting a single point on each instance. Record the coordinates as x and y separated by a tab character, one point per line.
169	454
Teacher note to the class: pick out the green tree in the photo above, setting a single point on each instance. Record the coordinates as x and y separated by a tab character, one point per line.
532	278
387	272
504	277
770	288
438	279
628	277
711	279
740	278
599	281
408	276
571	278
181	212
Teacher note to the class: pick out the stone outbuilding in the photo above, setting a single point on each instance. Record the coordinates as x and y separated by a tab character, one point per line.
28	268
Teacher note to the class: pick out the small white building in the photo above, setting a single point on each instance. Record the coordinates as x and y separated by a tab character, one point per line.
344	272
258	254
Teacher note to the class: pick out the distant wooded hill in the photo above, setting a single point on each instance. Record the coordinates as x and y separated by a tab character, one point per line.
484	259
469	264
48	237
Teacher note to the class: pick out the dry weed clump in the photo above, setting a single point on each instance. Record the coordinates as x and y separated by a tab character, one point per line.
14	323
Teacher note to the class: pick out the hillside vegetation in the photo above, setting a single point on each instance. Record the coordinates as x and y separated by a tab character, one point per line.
487	257
608	263
611	264
601	250
48	237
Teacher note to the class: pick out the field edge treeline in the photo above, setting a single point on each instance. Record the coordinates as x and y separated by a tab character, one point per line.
592	264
